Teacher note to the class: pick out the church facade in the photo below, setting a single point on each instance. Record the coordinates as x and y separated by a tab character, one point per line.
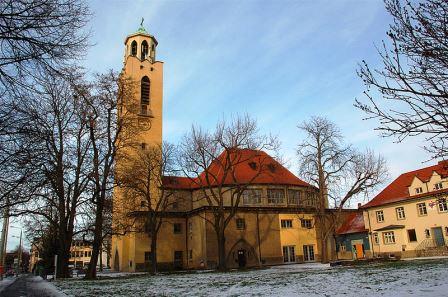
274	223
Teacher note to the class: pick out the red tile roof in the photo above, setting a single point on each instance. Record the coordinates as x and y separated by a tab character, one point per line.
251	166
353	224
398	189
177	182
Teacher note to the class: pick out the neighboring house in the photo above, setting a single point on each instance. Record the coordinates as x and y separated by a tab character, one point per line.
410	216
352	239
80	253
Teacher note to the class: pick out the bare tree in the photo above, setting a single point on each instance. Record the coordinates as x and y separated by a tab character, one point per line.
339	171
53	128
36	34
413	78
212	160
143	186
113	124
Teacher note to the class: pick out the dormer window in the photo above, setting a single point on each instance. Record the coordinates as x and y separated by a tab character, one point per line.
253	165
418	190
438	186
144	50
134	48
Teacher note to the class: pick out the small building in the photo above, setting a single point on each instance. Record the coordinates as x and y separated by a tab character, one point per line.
352	238
80	253
409	218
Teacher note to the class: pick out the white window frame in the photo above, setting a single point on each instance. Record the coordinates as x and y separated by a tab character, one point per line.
438	186
376	238
379	216
442	205
389	237
401	215
421	209
418	190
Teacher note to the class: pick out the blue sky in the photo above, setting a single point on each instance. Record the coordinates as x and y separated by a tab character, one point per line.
279	61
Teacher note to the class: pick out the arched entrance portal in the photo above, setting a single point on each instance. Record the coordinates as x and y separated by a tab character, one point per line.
241	255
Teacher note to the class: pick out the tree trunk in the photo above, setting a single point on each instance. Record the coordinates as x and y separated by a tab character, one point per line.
153	253
65	240
97	241
63	258
222	265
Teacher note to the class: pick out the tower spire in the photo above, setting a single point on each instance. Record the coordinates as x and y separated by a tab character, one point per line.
142	29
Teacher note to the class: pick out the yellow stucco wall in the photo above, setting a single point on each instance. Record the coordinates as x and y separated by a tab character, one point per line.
413	220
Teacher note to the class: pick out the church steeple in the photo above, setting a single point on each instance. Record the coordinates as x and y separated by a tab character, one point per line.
141	45
141	66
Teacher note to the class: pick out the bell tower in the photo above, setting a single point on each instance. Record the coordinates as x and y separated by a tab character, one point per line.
141	67
146	73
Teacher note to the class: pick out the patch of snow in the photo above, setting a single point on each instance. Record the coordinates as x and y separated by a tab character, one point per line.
40	287
401	278
6	282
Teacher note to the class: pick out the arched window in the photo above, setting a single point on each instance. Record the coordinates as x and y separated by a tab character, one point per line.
144	50
134	48
144	99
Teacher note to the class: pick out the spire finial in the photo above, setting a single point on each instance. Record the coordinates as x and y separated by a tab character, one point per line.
142	29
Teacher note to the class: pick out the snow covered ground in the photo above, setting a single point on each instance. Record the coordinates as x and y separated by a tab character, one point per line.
6	282
404	278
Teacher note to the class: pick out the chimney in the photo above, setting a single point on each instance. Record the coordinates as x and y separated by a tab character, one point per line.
359	205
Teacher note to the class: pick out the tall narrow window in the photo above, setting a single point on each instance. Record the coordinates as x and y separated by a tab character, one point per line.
379	216
400	213
134	48
145	89
421	207
144	50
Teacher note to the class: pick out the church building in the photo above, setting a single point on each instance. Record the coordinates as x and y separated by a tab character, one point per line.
274	223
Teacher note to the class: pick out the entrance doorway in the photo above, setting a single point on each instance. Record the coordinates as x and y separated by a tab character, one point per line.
438	236
242	258
289	254
308	253
178	259
358	250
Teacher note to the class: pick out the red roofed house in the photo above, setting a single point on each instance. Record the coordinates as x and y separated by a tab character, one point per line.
410	216
352	239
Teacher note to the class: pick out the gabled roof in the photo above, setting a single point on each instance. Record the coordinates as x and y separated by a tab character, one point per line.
353	224
251	166
398	190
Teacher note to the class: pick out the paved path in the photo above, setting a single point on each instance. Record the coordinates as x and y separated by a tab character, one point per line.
30	286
